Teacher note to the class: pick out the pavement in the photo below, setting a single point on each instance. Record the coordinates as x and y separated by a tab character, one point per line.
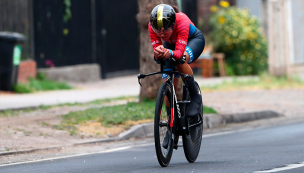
85	92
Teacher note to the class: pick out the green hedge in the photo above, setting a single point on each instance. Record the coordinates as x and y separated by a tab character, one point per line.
239	35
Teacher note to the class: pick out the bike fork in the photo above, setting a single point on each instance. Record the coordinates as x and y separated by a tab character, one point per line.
172	99
182	119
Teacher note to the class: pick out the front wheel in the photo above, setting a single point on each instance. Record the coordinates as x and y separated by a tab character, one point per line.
162	129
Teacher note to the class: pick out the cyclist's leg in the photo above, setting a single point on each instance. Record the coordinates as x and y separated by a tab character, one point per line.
193	50
168	67
185	68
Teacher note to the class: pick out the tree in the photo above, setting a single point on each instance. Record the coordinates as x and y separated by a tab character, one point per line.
151	84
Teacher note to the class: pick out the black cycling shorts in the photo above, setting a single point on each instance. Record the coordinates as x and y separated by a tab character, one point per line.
195	47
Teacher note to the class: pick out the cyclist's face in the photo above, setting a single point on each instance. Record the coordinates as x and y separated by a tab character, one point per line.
164	34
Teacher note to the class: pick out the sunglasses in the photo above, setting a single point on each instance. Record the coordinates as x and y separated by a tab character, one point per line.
160	31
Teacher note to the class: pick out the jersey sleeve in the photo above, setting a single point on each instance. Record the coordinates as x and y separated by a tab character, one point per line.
155	40
182	33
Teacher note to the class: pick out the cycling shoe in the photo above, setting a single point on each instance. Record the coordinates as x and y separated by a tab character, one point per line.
195	107
166	140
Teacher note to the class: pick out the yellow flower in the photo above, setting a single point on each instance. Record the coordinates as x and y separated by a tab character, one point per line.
224	4
234	33
65	31
245	23
250	35
243	57
221	19
213	8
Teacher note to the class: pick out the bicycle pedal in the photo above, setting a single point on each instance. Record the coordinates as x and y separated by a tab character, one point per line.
176	146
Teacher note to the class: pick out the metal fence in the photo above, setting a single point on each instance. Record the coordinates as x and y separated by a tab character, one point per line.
117	37
15	16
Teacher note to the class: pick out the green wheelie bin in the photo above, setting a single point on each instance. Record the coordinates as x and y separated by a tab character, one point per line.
10	55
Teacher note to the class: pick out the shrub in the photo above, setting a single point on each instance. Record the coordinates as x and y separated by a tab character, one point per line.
239	36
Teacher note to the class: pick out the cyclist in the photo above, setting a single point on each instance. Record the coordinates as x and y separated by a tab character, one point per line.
173	35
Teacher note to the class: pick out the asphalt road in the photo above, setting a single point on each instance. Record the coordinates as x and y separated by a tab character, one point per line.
272	148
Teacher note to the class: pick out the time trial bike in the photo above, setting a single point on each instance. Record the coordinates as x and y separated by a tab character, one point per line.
172	123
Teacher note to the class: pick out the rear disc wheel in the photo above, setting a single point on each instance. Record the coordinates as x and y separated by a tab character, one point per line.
192	141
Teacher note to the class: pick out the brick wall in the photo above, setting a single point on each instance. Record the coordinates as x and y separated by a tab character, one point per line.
204	12
27	69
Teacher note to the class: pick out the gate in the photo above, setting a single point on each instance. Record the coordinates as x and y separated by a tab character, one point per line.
99	31
117	34
63	43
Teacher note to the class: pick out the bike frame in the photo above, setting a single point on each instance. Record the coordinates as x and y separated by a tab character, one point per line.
179	124
170	81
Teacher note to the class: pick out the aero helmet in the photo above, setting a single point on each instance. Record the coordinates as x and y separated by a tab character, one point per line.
162	17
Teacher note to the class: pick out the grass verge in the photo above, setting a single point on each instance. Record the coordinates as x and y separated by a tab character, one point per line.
112	115
265	81
41	83
16	112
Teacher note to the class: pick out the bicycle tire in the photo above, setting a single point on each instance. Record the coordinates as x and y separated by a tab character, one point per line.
160	118
192	141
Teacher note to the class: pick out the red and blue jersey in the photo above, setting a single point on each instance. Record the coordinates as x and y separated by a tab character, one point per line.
183	29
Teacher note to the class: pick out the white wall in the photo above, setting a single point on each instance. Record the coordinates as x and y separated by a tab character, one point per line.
297	11
254	6
286	37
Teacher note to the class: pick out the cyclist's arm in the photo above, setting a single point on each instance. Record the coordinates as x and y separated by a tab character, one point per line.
155	40
156	44
182	39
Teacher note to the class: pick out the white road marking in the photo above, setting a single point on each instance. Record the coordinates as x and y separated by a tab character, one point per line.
227	132
288	167
63	157
143	145
115	149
